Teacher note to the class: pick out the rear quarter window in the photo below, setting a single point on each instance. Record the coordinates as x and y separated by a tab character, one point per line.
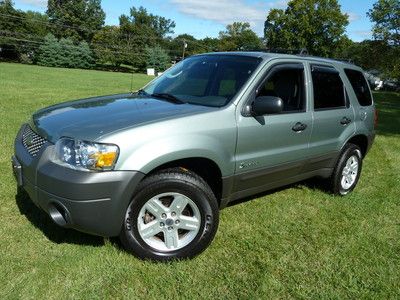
360	87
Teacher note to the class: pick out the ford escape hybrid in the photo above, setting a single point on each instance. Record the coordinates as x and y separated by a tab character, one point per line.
155	166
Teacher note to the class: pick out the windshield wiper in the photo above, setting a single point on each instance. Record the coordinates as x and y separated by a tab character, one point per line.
168	97
142	92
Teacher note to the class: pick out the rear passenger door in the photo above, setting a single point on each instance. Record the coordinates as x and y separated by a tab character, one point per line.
332	114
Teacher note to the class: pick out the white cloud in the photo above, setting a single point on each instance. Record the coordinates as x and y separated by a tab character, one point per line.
228	11
363	34
353	16
37	3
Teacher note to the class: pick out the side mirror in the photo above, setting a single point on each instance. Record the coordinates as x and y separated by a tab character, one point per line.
264	105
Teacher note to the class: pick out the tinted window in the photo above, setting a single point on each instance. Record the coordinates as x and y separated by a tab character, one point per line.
287	84
360	87
328	88
211	80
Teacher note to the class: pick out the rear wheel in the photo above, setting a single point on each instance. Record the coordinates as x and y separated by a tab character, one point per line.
347	171
174	215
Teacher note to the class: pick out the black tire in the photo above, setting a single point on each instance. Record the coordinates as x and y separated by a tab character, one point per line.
174	180
335	181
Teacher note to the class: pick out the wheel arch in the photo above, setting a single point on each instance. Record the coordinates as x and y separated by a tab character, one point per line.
361	141
206	168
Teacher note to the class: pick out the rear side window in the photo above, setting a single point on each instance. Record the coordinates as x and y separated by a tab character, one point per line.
360	87
328	88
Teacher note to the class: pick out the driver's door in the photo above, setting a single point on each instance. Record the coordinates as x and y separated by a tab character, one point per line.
274	147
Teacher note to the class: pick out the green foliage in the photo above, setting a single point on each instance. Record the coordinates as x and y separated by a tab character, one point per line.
318	25
386	16
239	36
83	56
157	58
17	26
292	243
108	46
10	48
210	44
64	53
79	19
176	45
385	57
36	23
140	30
49	52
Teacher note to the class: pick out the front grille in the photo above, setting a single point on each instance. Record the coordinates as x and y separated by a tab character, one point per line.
32	141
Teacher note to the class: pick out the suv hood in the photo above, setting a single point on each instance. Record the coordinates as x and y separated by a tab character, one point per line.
92	118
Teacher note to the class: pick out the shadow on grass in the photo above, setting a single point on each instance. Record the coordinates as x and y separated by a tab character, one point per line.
388	105
315	183
52	231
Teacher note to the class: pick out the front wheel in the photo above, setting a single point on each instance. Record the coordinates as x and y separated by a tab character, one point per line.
347	171
174	215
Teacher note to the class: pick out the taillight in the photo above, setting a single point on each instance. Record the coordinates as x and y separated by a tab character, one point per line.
375	118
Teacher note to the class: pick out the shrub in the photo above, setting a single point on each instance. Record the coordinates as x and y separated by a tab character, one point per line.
64	53
157	58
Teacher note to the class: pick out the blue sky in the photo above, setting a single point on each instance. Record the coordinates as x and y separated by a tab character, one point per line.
202	18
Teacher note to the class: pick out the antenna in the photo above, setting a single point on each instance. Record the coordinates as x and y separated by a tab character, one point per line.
132	81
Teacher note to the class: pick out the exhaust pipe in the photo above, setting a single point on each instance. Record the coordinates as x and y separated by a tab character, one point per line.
59	214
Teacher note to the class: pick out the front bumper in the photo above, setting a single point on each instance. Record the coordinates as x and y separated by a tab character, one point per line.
92	202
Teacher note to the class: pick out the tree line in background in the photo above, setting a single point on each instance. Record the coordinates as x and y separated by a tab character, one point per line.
72	34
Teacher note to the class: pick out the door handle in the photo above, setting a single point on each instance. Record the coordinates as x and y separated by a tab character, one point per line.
345	121
299	127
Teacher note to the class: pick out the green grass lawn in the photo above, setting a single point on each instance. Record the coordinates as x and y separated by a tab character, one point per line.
294	243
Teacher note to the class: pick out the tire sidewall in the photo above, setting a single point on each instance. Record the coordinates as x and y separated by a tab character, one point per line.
347	153
208	212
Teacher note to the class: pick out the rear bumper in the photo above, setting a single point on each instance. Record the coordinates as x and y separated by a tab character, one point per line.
92	202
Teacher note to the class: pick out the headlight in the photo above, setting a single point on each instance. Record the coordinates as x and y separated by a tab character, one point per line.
85	155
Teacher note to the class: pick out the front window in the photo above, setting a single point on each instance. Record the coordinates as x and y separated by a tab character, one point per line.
210	80
287	84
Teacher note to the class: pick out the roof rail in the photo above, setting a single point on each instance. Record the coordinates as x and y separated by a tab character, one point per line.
303	51
348	60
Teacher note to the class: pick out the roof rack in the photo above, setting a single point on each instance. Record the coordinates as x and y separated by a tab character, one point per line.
348	60
303	51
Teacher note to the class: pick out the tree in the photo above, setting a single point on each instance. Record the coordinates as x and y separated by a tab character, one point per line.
109	46
386	16
36	23
140	30
317	25
157	58
68	53
75	19
239	36
49	52
11	25
16	27
210	44
83	56
386	31
64	53
175	46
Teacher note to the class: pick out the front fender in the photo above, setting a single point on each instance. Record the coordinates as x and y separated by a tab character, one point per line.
160	151
210	135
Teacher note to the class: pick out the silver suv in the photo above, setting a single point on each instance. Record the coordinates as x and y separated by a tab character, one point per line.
154	167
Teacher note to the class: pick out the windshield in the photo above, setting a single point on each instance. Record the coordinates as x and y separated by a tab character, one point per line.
210	80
